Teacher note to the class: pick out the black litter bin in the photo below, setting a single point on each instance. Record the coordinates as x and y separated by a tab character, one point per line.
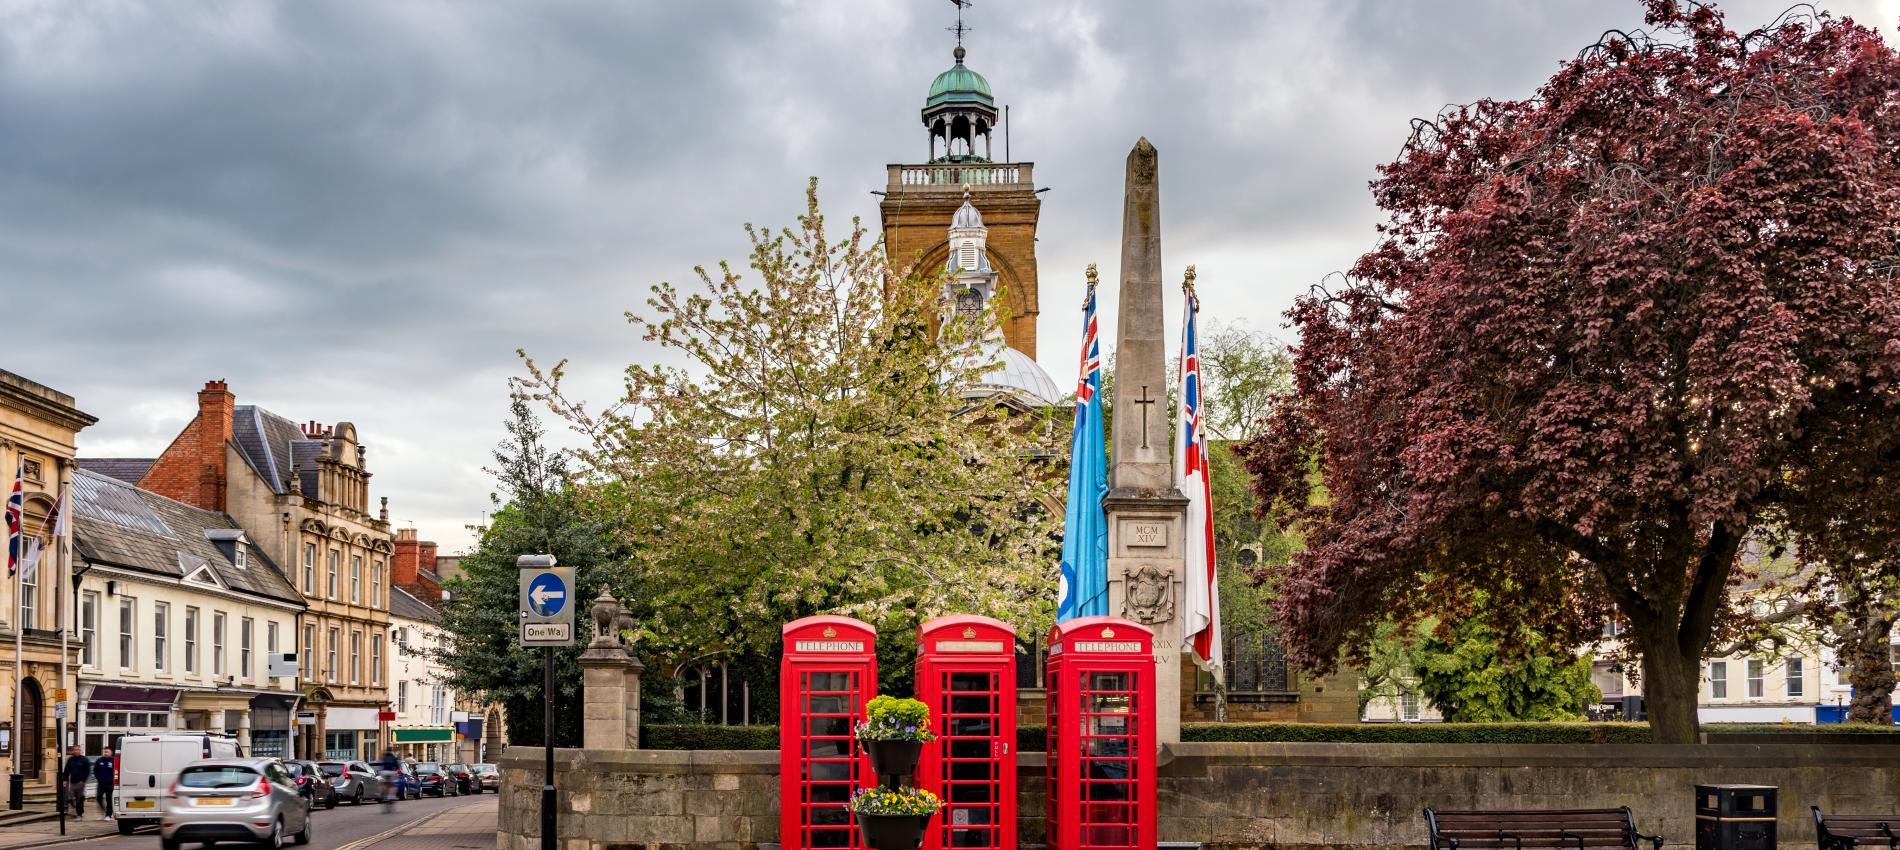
1735	817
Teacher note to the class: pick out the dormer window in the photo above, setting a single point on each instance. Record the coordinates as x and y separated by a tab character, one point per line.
242	560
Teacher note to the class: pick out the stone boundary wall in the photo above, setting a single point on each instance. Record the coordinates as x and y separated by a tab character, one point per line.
1231	796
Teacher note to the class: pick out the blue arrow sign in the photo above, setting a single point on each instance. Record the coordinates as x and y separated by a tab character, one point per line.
547	594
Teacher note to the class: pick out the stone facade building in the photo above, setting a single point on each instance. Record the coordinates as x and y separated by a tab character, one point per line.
301	492
38	430
179	614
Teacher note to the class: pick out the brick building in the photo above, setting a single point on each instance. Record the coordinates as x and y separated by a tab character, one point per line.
920	200
301	492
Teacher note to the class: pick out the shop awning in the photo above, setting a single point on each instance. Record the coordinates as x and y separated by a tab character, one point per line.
130	698
422	734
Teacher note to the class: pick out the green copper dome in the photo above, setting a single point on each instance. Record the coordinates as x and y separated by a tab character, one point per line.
959	85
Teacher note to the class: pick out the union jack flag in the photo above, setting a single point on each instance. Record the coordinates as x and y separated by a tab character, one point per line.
1202	621
16	507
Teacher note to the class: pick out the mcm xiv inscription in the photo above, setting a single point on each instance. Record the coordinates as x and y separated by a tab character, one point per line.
1147	534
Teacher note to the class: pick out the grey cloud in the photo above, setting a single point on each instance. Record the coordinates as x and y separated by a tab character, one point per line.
359	210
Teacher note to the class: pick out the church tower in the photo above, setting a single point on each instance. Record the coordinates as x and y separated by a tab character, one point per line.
959	117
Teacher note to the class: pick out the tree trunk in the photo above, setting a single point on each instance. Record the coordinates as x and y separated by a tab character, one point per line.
1672	685
1864	652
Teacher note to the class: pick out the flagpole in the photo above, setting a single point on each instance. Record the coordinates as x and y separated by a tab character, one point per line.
62	504
19	646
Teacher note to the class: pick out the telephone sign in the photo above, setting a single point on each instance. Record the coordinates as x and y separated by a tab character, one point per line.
547	606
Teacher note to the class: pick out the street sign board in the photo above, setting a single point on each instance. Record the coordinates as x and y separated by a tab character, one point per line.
306	718
547	606
59	711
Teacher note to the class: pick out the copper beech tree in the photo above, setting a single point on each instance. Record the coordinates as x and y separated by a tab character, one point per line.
1608	334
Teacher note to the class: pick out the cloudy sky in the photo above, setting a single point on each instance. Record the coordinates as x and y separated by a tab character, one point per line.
360	210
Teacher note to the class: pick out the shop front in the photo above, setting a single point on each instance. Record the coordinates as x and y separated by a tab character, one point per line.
424	743
350	733
108	711
271	718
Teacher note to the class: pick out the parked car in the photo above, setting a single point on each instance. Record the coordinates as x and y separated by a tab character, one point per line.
465	782
354	781
433	779
313	783
249	799
147	766
490	776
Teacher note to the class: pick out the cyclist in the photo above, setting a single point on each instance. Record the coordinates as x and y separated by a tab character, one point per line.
391	769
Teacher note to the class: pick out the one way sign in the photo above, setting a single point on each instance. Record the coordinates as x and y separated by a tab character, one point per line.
547	606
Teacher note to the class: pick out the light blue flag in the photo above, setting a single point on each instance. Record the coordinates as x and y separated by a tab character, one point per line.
1084	587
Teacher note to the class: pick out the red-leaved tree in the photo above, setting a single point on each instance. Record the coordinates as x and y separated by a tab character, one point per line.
1607	334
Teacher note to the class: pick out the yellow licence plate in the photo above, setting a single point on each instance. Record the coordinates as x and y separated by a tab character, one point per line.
141	804
214	801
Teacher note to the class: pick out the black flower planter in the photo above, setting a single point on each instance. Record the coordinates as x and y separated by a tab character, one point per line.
893	832
893	758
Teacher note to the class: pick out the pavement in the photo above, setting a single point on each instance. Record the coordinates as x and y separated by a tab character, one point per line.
470	827
47	832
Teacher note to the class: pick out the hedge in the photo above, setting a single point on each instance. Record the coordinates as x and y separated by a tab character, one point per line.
708	736
1032	739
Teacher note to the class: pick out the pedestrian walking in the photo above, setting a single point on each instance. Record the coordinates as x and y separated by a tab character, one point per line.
75	773
102	774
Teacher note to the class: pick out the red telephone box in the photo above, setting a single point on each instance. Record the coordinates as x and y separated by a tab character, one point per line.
966	673
1101	760
828	673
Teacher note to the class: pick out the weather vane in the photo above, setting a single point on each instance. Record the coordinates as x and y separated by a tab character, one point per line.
959	29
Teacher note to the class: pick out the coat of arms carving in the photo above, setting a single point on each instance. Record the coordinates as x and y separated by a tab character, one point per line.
1148	596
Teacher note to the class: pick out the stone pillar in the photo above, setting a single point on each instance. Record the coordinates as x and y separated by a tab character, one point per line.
623	628
604	676
244	731
1145	511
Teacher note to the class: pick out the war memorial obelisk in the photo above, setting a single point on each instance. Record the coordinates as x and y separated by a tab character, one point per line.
1145	510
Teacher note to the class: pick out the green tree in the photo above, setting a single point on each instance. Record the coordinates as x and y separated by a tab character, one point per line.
813	454
536	511
1464	670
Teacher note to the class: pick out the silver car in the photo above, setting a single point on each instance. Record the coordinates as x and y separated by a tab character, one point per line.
354	781
223	800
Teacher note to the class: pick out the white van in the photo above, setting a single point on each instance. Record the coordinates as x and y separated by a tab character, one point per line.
146	766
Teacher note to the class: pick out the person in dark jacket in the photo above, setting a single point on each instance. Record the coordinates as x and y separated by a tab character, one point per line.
102	773
75	773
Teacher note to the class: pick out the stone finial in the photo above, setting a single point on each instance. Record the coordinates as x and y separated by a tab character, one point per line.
604	610
385	512
624	625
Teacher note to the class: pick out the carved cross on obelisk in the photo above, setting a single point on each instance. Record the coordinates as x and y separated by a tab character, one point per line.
1144	509
1144	400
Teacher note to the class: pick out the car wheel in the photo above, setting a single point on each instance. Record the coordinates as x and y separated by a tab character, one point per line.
357	798
126	826
170	844
276	839
303	835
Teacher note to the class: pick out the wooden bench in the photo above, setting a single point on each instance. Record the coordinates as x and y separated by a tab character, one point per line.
1837	832
1556	829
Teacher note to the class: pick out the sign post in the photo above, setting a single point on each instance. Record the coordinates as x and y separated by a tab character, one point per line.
547	621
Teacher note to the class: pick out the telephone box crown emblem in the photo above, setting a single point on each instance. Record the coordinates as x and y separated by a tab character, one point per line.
830	632
1108	632
969	632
